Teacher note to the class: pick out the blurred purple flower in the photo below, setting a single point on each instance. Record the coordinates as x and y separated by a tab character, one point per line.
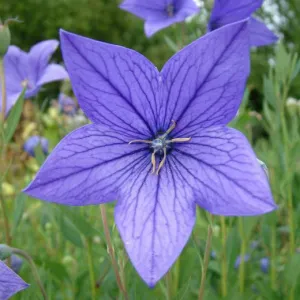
31	70
229	11
16	263
160	14
10	282
33	141
254	244
66	104
239	260
156	168
264	264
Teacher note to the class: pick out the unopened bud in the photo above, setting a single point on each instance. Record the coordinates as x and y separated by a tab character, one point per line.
5	252
4	38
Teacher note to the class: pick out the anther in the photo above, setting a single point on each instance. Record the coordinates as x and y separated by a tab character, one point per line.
161	164
160	145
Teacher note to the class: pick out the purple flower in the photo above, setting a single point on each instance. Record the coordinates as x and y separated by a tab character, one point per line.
10	282
66	104
160	14
228	11
32	142
264	264
158	144
31	70
239	260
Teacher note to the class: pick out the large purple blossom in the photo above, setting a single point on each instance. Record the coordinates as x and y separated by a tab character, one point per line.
30	70
228	11
159	143
159	14
10	282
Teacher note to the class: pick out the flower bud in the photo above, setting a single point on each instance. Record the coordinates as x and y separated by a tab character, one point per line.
4	38
5	252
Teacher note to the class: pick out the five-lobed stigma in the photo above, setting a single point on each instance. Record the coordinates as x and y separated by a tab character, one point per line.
160	146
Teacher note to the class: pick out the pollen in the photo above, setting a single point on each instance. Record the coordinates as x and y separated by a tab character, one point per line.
160	145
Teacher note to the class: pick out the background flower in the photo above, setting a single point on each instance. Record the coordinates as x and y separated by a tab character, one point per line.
30	70
32	142
229	11
160	14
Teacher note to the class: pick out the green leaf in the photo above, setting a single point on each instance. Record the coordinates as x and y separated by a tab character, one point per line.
70	232
79	221
19	210
292	271
14	117
39	154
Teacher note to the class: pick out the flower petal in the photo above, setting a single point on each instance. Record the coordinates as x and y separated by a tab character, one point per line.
144	9
88	167
221	166
153	26
39	56
260	34
229	11
10	282
11	99
16	66
204	82
155	216
53	72
115	86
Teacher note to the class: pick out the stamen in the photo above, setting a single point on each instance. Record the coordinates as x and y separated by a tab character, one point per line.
160	144
140	141
179	140
162	162
153	161
169	130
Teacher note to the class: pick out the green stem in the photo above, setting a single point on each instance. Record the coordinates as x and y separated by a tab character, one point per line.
224	258
169	285
273	257
6	222
176	276
3	90
33	269
111	251
91	269
242	255
206	259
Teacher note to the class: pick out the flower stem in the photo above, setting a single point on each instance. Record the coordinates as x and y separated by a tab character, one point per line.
111	251
6	223
206	259
33	269
242	255
91	269
169	285
224	261
3	90
273	257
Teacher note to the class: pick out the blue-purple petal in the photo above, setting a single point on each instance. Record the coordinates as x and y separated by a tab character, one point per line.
229	11
10	282
88	167
260	34
223	170
38	57
114	86
204	83
155	216
53	72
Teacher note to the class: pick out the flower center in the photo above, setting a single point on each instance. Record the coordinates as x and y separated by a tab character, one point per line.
25	83
160	146
170	10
